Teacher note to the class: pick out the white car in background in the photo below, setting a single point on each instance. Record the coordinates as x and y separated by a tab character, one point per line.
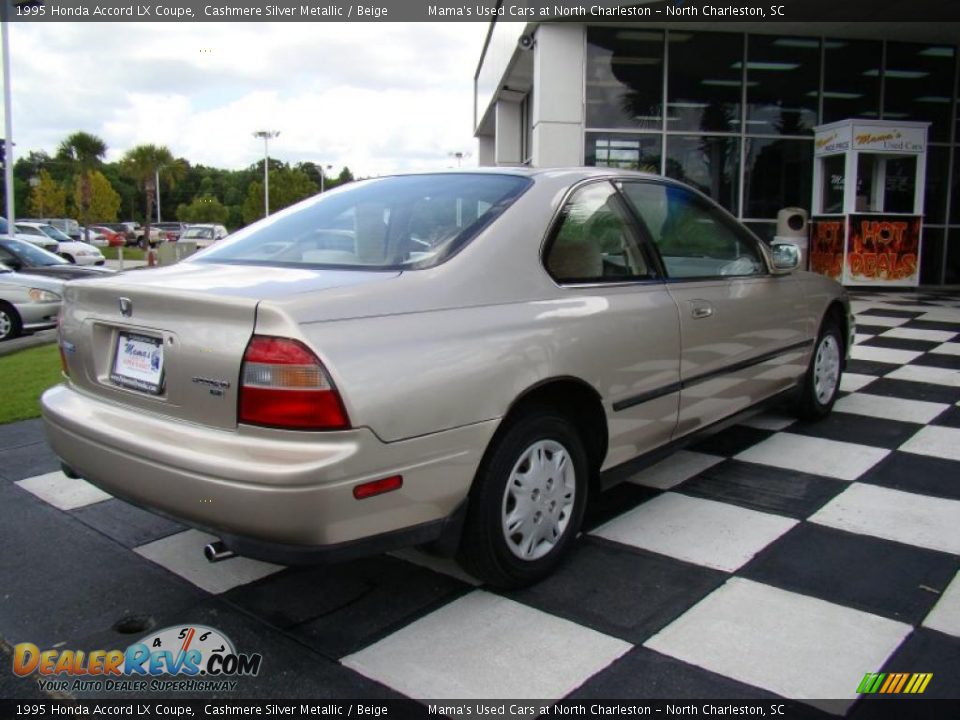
203	234
79	253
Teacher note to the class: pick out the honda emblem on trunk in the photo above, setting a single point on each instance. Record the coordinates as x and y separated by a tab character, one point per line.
126	307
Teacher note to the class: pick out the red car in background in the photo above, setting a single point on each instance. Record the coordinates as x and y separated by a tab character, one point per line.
114	238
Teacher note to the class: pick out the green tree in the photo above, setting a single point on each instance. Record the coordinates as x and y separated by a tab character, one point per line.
48	198
287	186
104	200
85	151
203	209
142	163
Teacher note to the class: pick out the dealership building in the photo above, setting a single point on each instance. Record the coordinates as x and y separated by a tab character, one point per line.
730	108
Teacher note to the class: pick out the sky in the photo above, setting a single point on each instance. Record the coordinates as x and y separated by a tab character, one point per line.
376	97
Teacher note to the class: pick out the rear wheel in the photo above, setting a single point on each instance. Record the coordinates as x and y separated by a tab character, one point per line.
10	325
822	381
527	502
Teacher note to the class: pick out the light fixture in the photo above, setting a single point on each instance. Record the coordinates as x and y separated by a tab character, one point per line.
761	65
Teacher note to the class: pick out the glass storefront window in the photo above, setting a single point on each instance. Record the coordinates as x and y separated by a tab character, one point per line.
778	174
834	173
916	82
851	79
783	79
628	152
708	163
935	201
705	81
953	257
624	81
931	256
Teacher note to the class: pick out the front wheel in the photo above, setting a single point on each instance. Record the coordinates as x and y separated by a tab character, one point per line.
527	502
69	258
822	381
10	325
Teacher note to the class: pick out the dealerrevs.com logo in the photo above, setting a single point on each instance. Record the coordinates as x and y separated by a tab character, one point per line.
894	683
192	658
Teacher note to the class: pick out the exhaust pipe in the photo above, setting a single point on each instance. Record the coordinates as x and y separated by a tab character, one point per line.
216	551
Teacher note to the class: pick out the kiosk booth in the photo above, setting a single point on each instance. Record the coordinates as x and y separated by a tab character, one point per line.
868	189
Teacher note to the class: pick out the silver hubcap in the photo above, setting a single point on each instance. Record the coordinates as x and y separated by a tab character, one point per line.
538	500
826	369
6	324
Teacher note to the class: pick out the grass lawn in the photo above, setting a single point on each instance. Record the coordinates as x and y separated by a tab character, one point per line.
130	253
24	375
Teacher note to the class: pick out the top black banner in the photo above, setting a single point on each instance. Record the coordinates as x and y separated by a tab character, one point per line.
591	11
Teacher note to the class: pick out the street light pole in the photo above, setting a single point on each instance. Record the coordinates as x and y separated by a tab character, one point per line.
8	112
321	167
266	135
156	174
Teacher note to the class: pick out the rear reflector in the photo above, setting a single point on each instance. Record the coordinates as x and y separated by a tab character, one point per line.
378	487
284	385
60	341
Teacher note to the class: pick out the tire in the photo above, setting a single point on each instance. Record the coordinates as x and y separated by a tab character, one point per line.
822	381
10	324
69	258
518	528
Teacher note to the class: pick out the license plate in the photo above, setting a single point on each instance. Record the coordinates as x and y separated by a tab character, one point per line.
138	363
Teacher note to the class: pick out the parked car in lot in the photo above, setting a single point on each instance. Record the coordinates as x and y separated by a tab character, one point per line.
72	251
173	230
30	259
27	302
31	232
127	229
114	238
68	226
460	358
204	234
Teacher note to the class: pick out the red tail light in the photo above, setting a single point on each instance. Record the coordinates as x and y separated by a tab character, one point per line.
284	385
60	341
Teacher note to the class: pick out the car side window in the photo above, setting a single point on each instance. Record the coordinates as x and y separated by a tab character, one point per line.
593	242
694	239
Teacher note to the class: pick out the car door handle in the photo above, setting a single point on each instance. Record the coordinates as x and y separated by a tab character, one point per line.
700	309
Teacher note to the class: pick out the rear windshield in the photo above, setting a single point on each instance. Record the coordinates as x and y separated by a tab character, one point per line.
404	222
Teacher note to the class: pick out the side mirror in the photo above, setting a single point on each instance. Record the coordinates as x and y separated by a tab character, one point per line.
786	257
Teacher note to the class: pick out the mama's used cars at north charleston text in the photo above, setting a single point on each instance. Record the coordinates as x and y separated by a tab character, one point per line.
458	358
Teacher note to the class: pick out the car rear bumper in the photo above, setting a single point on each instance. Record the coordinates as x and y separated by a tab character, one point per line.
264	487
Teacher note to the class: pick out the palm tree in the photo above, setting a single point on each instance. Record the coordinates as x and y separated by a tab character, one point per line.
142	164
85	151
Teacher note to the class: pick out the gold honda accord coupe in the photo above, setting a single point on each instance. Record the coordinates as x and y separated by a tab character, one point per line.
458	359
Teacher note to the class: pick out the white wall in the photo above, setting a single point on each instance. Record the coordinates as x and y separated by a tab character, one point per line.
558	76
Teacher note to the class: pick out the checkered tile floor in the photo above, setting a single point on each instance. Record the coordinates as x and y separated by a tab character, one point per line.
777	558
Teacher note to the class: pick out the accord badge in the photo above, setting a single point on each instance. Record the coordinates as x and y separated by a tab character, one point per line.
126	307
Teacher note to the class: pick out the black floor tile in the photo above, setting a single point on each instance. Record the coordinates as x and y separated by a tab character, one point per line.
627	593
63	579
288	668
939	360
884	312
27	460
897	581
606	505
869	367
732	441
864	329
764	488
27	432
896	343
932	325
929	651
128	525
910	390
917	474
949	418
860	429
339	609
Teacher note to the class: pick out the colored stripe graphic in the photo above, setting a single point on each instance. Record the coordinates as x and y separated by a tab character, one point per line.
894	683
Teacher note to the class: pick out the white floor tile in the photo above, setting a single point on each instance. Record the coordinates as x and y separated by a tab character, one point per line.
796	646
884	355
182	554
949	348
935	440
880	320
770	421
904	517
941	314
945	615
486	646
704	532
830	458
861	337
851	382
890	408
62	492
674	469
922	373
928	335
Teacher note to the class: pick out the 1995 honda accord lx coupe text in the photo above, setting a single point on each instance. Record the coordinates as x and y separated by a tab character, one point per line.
447	358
